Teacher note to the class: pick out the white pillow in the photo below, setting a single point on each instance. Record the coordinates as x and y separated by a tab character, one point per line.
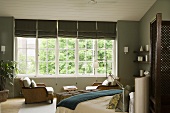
27	82
33	84
105	83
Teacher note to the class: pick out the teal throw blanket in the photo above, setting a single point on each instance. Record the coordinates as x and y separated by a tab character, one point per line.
73	101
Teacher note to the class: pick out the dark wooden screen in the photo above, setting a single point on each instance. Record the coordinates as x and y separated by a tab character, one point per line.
165	59
155	41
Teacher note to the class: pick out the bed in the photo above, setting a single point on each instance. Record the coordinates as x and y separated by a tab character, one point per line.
90	106
98	104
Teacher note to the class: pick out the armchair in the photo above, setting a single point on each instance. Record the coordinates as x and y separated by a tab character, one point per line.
99	86
105	87
38	93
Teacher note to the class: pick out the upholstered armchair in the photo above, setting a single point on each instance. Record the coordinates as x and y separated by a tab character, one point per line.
35	92
104	87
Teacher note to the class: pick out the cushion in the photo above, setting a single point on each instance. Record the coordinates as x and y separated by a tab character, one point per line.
111	80
49	90
33	84
27	82
114	101
119	107
105	83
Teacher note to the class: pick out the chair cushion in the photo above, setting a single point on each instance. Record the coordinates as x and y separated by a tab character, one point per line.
27	82
33	84
50	90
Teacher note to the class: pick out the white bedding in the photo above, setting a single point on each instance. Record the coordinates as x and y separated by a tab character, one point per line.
92	106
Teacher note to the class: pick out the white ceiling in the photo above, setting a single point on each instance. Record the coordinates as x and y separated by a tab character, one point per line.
104	10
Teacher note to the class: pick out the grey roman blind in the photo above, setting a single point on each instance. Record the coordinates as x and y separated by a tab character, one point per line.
47	29
106	30
25	28
67	29
87	29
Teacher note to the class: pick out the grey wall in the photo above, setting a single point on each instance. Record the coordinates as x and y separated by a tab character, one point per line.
160	6
128	35
6	39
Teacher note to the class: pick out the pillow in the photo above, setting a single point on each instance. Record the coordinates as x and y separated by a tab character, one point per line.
33	84
119	107
114	101
27	82
111	80
105	83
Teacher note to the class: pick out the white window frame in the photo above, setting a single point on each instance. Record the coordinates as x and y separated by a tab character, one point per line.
76	61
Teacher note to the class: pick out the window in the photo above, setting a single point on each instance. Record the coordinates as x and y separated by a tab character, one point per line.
46	56
26	55
86	56
105	56
64	56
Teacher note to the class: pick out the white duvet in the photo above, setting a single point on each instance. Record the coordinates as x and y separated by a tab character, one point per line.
91	106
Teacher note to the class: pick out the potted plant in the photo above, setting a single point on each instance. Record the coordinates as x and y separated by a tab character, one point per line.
7	70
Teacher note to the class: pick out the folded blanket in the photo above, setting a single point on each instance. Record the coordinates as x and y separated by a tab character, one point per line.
73	101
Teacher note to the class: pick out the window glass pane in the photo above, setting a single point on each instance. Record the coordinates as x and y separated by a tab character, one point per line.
21	42
31	43
22	67
30	67
42	43
89	44
30	54
89	55
22	55
82	55
89	68
109	54
42	68
51	55
82	67
51	43
51	67
62	55
82	43
62	67
101	54
42	55
71	55
62	43
101	43
109	44
71	67
109	68
71	43
101	68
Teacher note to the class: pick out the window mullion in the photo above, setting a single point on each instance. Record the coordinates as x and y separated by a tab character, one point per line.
26	57
95	54
77	58
36	51
57	57
36	56
47	57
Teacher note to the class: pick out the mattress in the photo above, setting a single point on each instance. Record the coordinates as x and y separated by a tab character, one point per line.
91	106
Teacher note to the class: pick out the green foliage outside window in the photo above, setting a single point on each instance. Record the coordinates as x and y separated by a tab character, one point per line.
46	57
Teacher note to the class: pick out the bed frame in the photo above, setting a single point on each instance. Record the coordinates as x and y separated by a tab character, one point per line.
160	65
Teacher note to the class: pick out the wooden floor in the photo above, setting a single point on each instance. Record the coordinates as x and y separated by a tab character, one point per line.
11	105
